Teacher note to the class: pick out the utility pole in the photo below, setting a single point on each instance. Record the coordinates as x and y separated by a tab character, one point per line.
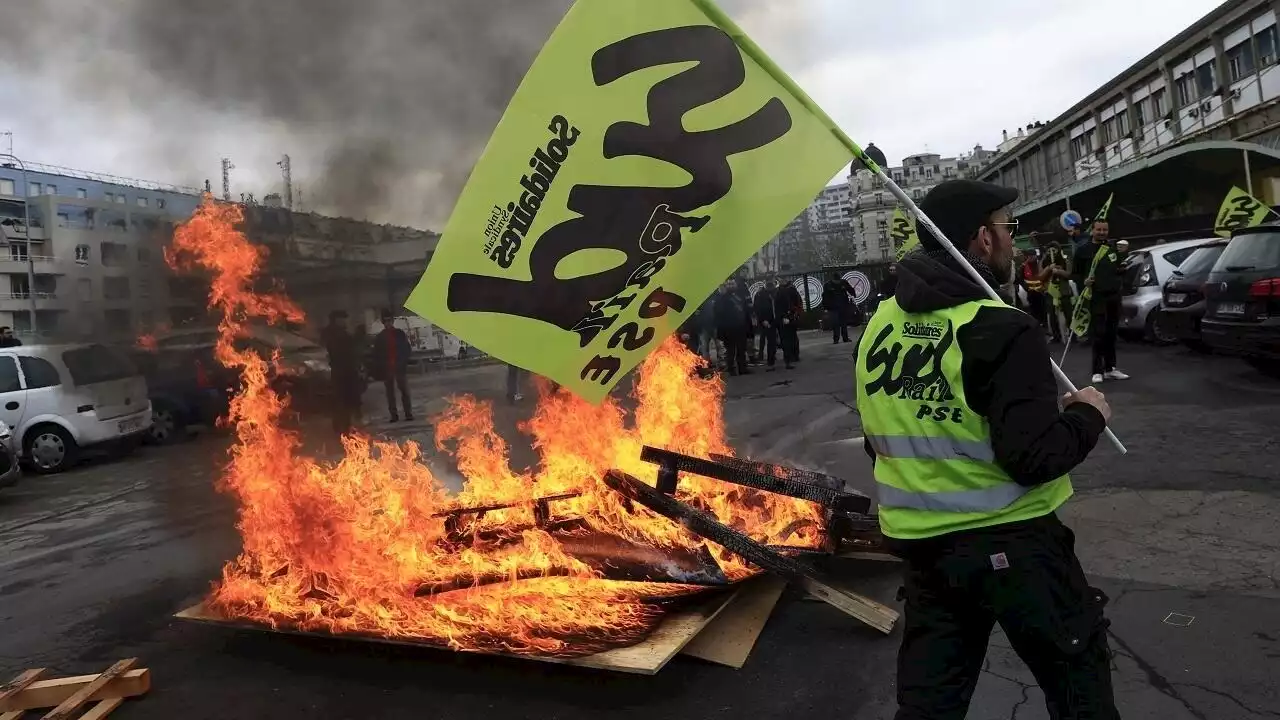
9	134
287	171
227	167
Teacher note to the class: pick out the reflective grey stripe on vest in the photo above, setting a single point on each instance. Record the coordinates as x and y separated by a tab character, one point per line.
985	500
930	448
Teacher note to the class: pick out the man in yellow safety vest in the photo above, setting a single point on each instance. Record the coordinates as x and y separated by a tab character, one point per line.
971	450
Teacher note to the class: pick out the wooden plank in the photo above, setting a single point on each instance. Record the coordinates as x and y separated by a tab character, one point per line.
48	693
644	658
12	715
729	639
16	685
880	617
867	555
102	709
69	706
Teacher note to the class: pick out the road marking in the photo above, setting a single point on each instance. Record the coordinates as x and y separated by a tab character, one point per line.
785	442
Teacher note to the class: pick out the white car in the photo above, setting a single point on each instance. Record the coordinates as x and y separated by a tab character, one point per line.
59	399
1145	273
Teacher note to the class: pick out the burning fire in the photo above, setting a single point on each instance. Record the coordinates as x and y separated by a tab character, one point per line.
348	547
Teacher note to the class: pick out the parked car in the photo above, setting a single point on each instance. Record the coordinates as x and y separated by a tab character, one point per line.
304	366
1145	273
1242	292
10	469
61	399
187	388
1182	304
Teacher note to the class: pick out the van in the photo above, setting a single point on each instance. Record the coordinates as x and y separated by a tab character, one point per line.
60	399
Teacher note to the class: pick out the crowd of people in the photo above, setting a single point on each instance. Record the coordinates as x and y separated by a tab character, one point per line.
734	330
354	359
1053	279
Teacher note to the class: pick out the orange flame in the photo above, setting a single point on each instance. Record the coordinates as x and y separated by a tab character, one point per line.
345	547
147	342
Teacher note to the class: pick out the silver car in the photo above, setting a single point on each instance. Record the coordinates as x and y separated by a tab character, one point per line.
1145	273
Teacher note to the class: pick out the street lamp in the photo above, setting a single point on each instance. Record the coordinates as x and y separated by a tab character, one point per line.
26	219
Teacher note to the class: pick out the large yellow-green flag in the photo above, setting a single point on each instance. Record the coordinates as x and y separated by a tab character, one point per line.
1239	210
902	230
649	151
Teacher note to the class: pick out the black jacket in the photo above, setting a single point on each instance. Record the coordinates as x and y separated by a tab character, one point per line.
1107	279
762	304
836	294
731	313
384	341
1005	369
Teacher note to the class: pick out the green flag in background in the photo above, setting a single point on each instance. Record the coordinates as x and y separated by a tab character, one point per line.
1239	210
902	230
1106	208
649	151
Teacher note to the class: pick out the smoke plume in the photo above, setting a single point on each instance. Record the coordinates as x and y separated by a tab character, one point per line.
383	105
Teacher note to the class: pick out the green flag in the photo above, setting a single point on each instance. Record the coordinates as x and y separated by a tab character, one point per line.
650	150
902	230
1239	210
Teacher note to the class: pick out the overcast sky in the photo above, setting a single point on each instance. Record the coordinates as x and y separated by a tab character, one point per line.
161	90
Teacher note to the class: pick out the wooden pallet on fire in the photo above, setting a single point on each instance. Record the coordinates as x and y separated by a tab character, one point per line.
69	695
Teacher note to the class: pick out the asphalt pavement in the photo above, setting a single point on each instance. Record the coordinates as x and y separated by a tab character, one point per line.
1181	533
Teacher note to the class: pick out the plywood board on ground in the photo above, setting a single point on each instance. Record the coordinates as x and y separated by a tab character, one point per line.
730	637
644	658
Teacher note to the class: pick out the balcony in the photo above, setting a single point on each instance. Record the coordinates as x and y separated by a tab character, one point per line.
42	265
17	301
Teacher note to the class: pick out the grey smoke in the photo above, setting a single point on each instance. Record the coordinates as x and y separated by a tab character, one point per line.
383	105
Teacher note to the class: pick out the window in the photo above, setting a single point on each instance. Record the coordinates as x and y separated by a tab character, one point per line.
82	254
109	197
881	222
142	202
84	290
34	189
1140	112
144	255
1160	101
98	363
160	203
39	373
114	254
9	381
1122	124
1186	91
928	173
64	219
82	193
144	287
6	187
18	251
1266	41
50	189
1079	147
1240	61
1109	130
1176	257
115	288
1205	80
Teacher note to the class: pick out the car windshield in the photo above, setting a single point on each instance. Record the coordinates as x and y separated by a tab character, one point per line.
1254	251
97	363
283	339
1202	260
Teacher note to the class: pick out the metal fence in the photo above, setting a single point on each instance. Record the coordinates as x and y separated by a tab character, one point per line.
866	279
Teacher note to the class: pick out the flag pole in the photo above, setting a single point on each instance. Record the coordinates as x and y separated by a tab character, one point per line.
753	51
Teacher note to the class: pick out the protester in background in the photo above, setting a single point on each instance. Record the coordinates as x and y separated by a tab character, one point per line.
763	303
7	339
391	357
1075	236
890	282
788	306
835	300
1097	266
1034	286
1056	276
731	324
968	495
344	370
513	385
743	291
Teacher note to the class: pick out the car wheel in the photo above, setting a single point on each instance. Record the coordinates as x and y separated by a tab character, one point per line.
50	449
166	427
1156	332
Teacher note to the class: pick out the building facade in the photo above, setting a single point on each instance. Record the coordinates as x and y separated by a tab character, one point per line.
1216	80
872	205
96	251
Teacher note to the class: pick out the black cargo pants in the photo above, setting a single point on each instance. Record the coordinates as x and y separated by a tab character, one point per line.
1025	577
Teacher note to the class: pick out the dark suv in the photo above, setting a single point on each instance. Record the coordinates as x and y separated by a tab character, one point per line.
1182	305
1242	314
